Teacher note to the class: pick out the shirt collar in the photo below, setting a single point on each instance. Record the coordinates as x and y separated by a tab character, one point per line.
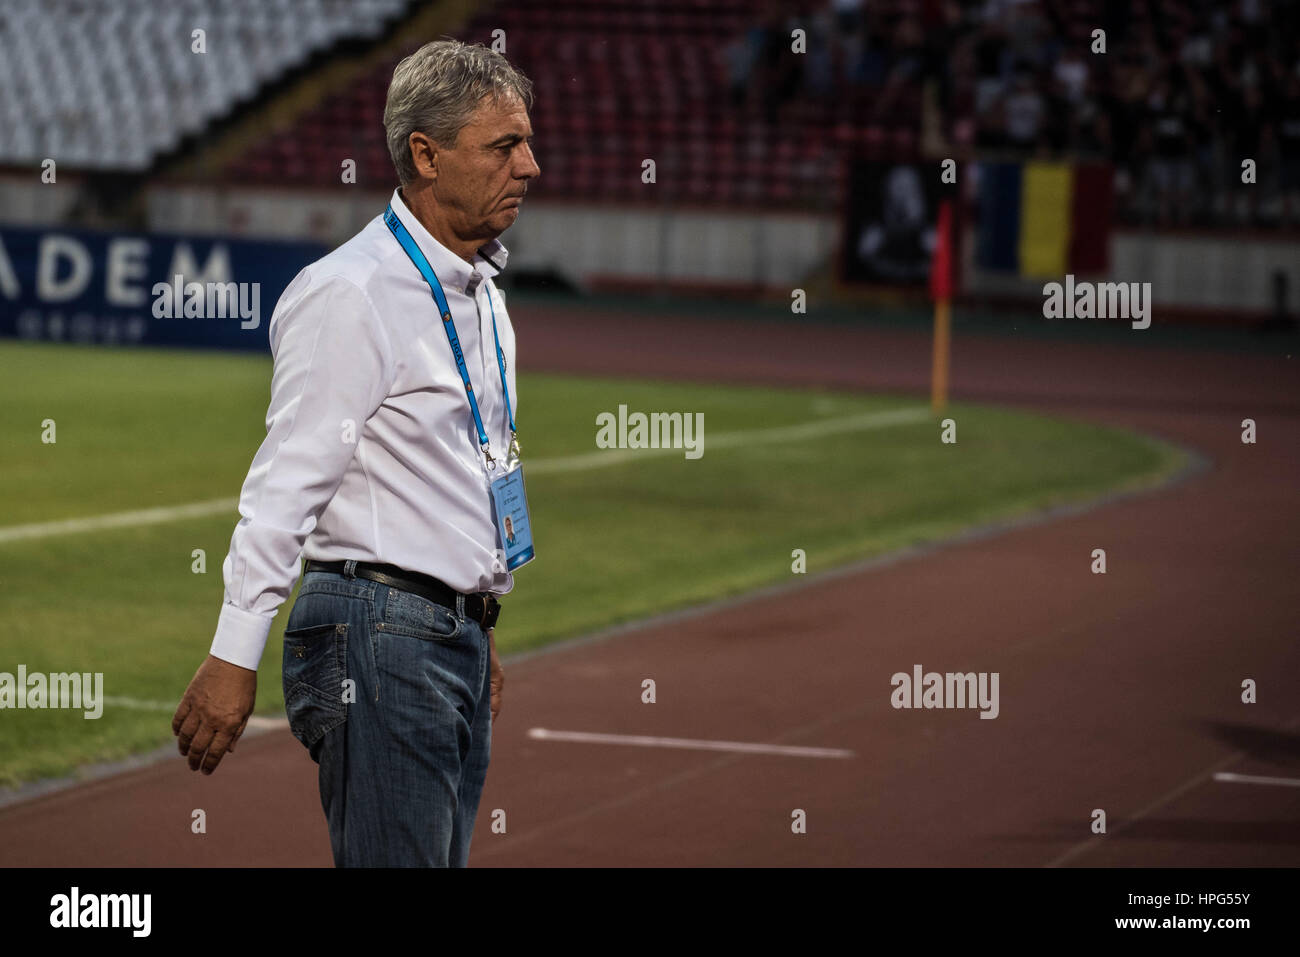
451	270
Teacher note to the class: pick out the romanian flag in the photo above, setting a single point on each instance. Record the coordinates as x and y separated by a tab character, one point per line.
1043	220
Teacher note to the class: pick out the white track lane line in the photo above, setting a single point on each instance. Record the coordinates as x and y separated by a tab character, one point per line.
1256	779
690	744
549	466
1209	774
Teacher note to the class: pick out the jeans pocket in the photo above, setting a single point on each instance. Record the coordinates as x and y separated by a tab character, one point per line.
415	617
315	667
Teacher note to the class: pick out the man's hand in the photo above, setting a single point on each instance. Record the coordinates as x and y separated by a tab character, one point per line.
214	711
498	679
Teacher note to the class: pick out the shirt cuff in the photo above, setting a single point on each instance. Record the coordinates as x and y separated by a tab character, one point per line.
241	636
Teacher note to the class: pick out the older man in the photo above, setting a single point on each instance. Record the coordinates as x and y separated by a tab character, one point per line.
390	464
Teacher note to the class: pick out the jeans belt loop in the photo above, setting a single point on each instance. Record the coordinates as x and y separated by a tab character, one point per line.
460	605
350	568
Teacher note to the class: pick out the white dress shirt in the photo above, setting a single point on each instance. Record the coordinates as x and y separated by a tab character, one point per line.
371	451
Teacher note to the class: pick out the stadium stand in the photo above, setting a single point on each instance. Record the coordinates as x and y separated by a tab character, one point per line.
618	83
109	85
706	89
1185	90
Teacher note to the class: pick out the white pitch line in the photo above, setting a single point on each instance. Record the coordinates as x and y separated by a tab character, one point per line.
727	440
136	704
690	744
1256	779
547	466
96	523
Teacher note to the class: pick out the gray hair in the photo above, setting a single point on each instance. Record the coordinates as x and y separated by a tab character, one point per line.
436	90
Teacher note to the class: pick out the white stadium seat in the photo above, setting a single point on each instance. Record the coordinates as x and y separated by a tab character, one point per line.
112	84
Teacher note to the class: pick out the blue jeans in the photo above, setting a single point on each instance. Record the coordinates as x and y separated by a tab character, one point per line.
390	694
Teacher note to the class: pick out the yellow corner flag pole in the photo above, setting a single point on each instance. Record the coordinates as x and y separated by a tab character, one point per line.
941	291
939	369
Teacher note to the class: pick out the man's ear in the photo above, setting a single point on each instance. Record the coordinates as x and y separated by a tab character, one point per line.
424	154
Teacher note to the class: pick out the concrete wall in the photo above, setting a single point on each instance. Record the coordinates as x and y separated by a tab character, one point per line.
1200	273
592	244
586	243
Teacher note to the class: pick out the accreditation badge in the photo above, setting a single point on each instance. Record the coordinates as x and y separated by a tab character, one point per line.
511	507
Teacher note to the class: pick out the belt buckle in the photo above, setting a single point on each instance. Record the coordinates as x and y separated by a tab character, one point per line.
481	598
491	608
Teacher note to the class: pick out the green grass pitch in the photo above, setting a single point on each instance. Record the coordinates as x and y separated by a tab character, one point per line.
143	428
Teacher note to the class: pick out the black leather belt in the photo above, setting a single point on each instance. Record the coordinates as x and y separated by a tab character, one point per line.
482	608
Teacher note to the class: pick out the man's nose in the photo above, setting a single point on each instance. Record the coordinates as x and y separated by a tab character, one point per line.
529	168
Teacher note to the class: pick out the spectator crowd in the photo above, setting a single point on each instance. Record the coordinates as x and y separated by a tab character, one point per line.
1176	94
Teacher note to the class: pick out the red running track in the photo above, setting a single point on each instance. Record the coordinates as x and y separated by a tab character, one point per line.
1119	692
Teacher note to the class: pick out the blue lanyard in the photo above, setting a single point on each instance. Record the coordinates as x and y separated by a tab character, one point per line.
422	264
